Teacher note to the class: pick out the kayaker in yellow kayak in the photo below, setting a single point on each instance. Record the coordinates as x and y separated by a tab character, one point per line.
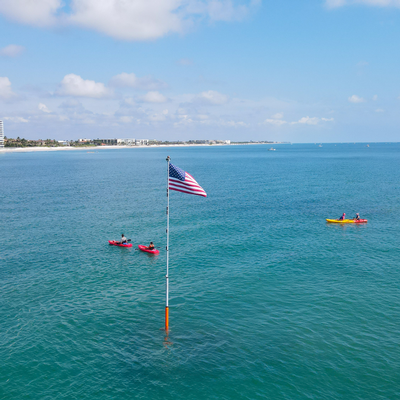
342	217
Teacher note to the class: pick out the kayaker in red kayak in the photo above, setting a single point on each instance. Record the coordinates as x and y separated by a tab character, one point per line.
151	246
342	217
124	240
357	218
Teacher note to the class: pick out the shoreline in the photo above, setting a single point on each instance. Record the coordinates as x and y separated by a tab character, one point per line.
92	148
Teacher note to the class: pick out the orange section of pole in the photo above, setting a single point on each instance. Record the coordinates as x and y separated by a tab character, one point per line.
166	318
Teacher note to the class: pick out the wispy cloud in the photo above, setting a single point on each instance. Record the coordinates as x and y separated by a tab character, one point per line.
16	119
356	99
278	121
376	3
12	50
312	121
211	97
132	81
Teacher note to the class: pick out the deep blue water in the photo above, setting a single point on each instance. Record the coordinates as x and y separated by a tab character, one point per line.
266	299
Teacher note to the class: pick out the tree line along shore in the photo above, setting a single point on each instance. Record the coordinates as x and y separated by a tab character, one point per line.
24	143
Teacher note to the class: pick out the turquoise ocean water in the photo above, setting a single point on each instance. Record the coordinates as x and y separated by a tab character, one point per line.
266	299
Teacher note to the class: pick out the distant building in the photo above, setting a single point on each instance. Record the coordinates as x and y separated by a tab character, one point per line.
63	142
1	134
111	142
197	141
227	141
84	140
141	142
126	142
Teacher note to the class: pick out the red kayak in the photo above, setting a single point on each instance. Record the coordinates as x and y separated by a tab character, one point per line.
347	221
147	250
115	243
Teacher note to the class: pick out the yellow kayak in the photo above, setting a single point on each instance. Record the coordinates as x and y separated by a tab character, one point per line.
347	221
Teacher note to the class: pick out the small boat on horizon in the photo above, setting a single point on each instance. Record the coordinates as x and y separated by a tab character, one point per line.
271	149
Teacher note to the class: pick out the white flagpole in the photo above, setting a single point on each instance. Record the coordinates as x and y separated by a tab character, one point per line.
167	286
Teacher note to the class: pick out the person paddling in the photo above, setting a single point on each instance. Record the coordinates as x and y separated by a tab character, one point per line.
357	218
151	246
343	217
124	240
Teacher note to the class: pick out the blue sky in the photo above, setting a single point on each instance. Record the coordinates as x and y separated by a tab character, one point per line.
299	71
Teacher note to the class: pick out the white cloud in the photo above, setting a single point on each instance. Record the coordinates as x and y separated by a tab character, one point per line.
379	110
375	97
309	121
5	88
12	50
154	97
312	121
378	3
16	119
356	99
126	20
277	116
36	13
131	80
231	123
43	107
151	19
276	122
74	85
212	97
304	120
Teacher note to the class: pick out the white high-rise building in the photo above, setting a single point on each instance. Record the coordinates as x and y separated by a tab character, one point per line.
1	134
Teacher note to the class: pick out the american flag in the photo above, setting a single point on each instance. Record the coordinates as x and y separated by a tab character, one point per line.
181	181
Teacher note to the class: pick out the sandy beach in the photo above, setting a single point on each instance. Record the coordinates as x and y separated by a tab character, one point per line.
91	148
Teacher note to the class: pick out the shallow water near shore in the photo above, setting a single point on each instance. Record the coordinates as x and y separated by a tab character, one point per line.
267	300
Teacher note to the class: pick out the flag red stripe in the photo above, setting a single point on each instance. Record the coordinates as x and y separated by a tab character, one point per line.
192	185
184	191
186	188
